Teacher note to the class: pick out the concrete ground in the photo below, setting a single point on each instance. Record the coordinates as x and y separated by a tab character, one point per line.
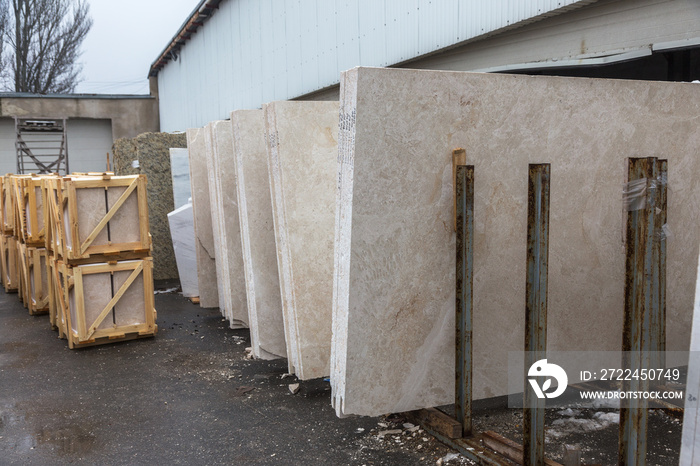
188	396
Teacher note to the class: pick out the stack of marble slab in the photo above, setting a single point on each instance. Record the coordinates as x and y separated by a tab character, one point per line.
223	203
181	222
302	149
201	210
394	281
257	235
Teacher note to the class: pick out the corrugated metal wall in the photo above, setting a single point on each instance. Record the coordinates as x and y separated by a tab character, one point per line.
256	51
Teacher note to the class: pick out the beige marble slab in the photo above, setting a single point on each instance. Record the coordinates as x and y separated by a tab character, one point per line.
257	235
222	279
222	176
394	273
302	150
206	256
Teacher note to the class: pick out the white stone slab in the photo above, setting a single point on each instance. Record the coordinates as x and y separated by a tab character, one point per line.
181	223
302	151
394	283
206	256
690	445
180	172
257	235
227	233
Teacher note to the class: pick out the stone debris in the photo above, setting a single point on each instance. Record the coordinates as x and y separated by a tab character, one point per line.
293	388
383	433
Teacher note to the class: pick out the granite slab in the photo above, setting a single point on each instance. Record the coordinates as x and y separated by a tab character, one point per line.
257	235
302	148
182	231
151	152
395	242
206	257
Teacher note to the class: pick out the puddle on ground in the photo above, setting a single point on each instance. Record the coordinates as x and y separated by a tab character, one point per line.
67	440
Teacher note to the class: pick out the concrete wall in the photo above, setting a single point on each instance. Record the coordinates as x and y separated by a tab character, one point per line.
130	115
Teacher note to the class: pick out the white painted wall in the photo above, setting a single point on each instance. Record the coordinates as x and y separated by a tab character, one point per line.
88	144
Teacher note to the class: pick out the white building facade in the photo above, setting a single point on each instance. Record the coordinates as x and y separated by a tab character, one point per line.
239	54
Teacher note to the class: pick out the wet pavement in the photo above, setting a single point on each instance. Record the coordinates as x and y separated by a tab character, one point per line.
187	396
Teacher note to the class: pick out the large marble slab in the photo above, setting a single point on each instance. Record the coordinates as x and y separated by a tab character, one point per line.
206	256
257	235
302	149
180	171
395	243
182	232
225	224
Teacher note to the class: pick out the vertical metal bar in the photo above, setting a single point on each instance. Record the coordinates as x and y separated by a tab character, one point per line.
65	146
536	306
645	296
464	295
658	317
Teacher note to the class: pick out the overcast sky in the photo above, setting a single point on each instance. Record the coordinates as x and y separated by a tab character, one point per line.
126	37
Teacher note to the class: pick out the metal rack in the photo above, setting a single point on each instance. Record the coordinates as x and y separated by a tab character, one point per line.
41	145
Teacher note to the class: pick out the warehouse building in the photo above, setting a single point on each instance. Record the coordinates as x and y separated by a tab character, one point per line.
239	54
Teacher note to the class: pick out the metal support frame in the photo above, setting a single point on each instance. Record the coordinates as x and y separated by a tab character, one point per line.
645	301
41	145
536	307
489	448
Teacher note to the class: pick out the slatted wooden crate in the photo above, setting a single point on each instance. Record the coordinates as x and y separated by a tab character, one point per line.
103	303
59	298
98	218
30	210
7	206
23	285
37	282
10	276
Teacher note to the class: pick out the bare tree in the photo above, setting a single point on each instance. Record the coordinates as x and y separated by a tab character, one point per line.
43	44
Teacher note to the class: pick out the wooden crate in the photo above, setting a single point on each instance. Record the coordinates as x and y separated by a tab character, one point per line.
98	218
23	285
30	210
103	303
7	208
50	190
10	269
36	294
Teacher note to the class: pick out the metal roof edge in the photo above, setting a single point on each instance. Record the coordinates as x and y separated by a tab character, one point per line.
188	27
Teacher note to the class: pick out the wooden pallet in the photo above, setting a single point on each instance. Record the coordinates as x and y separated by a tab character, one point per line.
104	303
10	276
98	218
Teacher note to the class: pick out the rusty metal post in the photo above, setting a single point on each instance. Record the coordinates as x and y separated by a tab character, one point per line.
645	295
536	307
464	296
